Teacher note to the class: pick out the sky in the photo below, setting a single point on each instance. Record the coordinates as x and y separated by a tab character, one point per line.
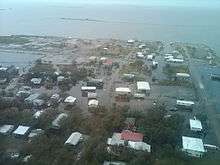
190	3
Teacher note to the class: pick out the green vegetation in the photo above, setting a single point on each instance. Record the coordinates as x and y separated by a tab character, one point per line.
172	70
13	40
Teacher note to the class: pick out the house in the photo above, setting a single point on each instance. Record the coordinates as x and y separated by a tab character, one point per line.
70	100
56	122
140	55
6	129
92	95
141	146
74	139
31	98
185	104
122	94
21	130
193	146
195	125
143	87
116	140
93	103
150	57
131	136
35	133
23	94
36	81
86	89
113	163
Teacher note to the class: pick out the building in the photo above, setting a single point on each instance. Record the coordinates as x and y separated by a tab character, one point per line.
130	41
175	60
131	136
70	100
92	95
74	139
21	130
6	129
93	103
56	122
193	146
36	81
195	125
116	140
31	98
183	75
122	94
113	163
143	87
38	114
140	55
185	104
140	146
86	89
35	133
98	83
150	57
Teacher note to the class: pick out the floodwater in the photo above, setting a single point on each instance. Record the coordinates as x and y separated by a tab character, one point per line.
166	23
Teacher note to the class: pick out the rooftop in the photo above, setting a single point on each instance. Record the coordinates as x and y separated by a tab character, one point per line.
6	128
123	90
139	146
131	136
194	144
195	124
70	99
21	130
74	138
143	85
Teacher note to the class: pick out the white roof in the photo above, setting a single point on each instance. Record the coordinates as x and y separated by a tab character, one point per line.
93	103
21	130
123	90
85	88
175	60
55	96
140	54
92	95
38	114
74	138
141	46
55	122
184	102
143	85
182	75
35	132
36	80
194	144
6	128
131	41
155	63
195	124
150	56
115	140
3	69
139	146
92	58
70	99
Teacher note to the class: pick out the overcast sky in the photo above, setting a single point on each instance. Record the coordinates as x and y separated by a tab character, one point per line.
199	3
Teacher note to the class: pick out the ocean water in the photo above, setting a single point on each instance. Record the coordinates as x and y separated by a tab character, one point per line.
166	23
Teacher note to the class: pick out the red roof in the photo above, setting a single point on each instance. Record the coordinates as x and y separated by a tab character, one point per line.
132	136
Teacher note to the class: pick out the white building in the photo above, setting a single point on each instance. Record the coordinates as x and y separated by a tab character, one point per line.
21	130
93	103
131	41
123	90
150	57
35	133
193	146
140	55
38	114
195	125
36	81
70	100
141	146
74	139
6	129
143	87
116	140
182	75
184	103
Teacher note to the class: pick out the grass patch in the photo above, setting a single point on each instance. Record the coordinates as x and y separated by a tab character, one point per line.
13	40
172	70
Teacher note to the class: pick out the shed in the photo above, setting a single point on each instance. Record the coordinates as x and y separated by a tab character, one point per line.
35	133
123	90
143	86
92	95
74	138
195	125
6	129
184	103
141	146
70	100
36	81
93	103
193	146
21	130
182	75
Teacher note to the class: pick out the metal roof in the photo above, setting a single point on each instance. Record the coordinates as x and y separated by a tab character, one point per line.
70	99
123	90
21	130
194	144
195	124
143	85
139	146
74	138
6	128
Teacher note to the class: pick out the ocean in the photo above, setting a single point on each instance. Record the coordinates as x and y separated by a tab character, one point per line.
165	23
